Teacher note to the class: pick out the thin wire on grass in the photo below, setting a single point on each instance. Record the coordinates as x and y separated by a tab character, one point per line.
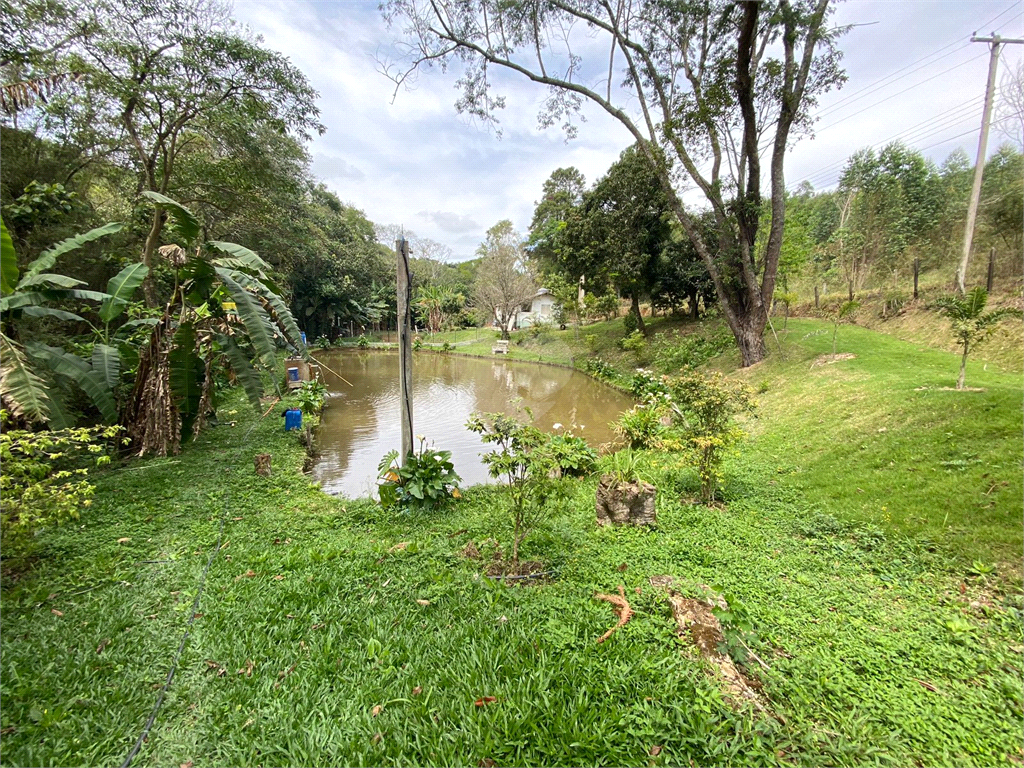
188	628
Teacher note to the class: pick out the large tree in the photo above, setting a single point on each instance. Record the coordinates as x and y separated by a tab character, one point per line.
706	87
563	190
164	78
504	280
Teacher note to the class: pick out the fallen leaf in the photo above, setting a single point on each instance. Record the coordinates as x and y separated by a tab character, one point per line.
486	763
927	685
247	575
963	587
288	616
248	722
152	616
186	765
51	596
485	700
377	737
278	577
655	750
8	730
637	590
385	583
423	602
236	519
400	545
247	669
417	691
623	567
376	710
197	615
102	645
123	540
55	612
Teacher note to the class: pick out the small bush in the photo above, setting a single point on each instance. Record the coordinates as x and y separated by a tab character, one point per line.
590	340
362	342
426	482
641	426
599	368
630	324
311	396
322	343
569	455
44	477
417	343
447	347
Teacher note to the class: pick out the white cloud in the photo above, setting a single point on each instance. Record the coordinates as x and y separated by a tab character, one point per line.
417	162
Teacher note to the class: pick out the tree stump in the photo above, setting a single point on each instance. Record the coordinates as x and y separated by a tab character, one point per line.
621	503
262	462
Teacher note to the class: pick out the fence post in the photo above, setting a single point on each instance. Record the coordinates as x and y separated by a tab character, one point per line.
991	270
917	269
404	344
817	304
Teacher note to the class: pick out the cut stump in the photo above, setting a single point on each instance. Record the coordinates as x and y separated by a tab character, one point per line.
619	503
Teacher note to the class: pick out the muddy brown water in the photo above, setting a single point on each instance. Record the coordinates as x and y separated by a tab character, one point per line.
361	422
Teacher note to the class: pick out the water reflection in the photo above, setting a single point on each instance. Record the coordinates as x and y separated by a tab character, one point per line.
361	422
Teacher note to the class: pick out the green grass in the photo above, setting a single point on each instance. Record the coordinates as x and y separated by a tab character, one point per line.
857	610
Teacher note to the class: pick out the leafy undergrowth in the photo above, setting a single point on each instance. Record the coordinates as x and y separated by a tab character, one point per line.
333	634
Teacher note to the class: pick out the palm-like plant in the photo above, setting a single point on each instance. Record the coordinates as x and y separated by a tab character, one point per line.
24	375
224	309
971	323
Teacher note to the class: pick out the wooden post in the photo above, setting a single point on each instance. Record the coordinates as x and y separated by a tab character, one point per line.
991	270
817	303
851	290
404	322
917	270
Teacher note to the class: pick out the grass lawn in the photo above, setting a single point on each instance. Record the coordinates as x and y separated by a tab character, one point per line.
849	532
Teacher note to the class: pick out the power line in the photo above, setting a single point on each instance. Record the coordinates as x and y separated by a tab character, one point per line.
849	97
926	128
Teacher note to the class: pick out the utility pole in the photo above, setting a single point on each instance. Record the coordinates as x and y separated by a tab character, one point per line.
996	42
404	297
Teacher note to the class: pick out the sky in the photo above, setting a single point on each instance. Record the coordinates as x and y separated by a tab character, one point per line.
408	158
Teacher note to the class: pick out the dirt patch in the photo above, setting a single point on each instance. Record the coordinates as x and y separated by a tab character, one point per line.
529	569
470	551
829	359
965	389
697	624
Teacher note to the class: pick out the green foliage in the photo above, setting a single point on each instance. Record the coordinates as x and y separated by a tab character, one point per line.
417	343
690	351
362	342
568	454
624	465
599	368
704	406
641	426
447	347
44	477
311	396
323	343
425	483
527	471
970	322
631	325
636	343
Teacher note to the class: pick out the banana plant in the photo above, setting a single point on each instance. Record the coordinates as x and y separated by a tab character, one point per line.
224	311
28	372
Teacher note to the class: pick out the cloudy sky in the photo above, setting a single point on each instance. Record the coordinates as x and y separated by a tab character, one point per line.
410	159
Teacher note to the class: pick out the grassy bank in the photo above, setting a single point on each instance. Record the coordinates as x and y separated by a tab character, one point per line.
848	535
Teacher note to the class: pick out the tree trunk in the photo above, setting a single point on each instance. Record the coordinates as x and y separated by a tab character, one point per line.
694	298
963	370
635	309
750	338
148	251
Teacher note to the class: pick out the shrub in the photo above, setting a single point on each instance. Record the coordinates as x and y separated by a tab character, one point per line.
43	480
323	343
417	343
590	340
362	342
599	368
569	455
426	482
447	347
645	384
311	396
636	343
641	426
704	407
624	465
630	324
522	466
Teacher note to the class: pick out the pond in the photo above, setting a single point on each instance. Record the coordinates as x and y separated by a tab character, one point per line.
361	422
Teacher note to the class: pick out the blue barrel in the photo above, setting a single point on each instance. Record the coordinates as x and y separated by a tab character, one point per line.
292	419
293	374
303	335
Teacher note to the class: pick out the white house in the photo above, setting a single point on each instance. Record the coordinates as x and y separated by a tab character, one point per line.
541	309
